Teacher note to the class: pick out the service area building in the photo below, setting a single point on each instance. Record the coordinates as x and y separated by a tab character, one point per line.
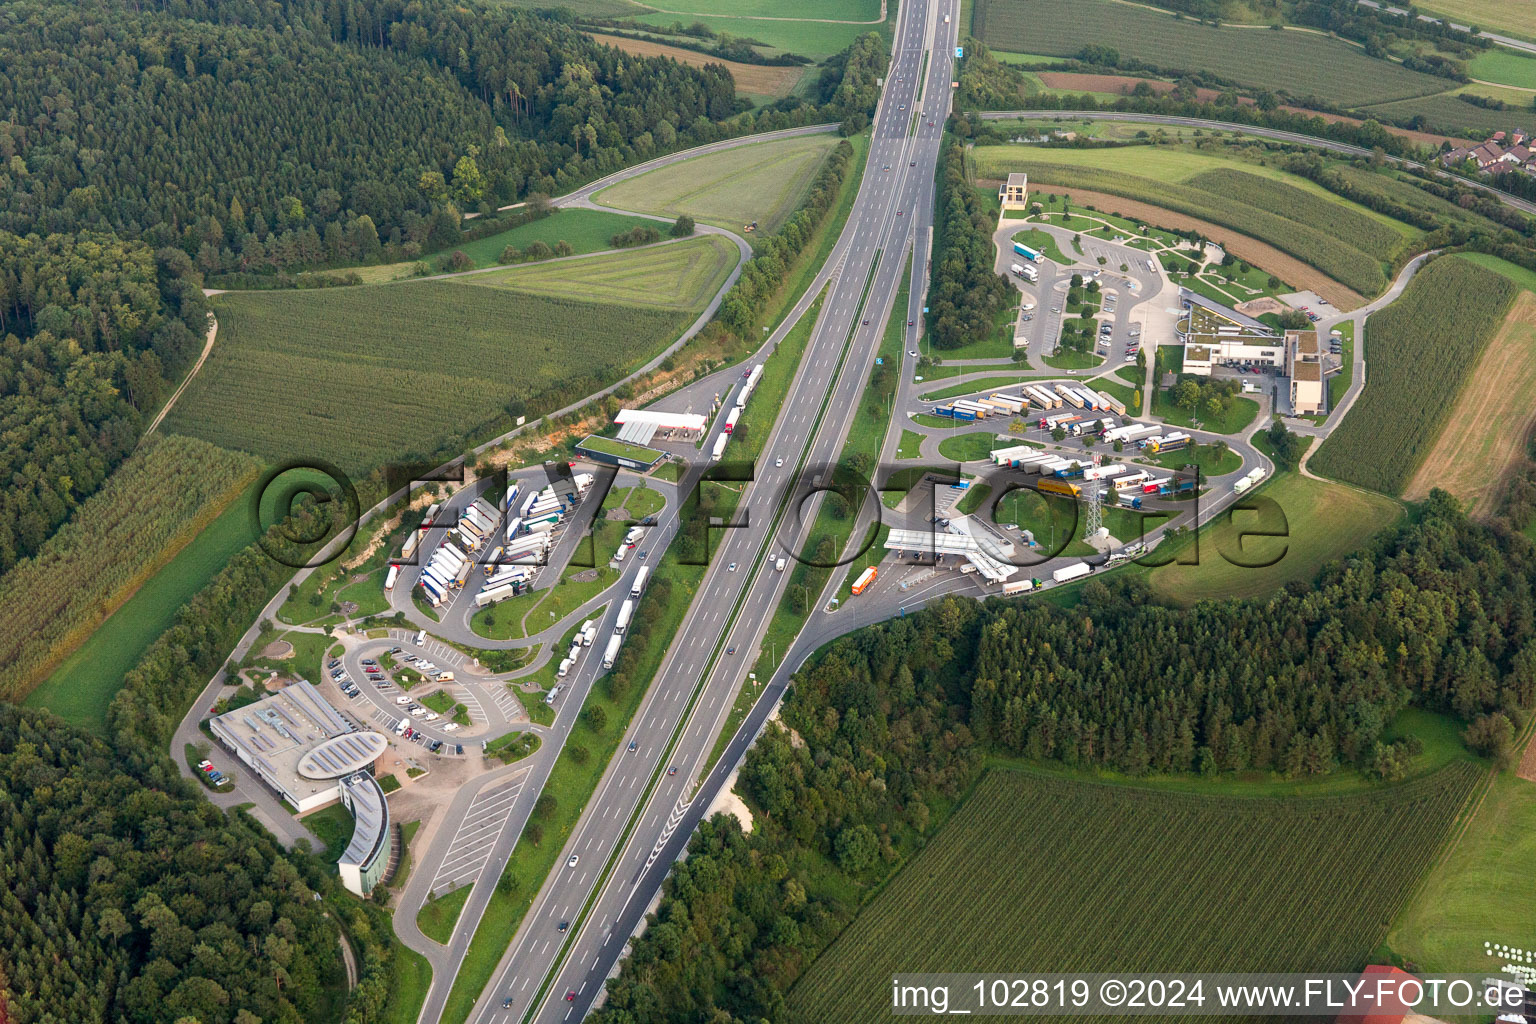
1216	335
1304	365
302	747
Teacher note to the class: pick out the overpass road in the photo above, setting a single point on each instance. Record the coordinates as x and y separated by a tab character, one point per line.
606	868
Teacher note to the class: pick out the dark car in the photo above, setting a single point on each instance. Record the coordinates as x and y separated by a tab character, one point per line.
633	746
570	996
672	770
730	650
564	925
506	1004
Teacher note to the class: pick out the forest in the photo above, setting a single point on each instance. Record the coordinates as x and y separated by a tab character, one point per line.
892	724
91	330
261	137
128	900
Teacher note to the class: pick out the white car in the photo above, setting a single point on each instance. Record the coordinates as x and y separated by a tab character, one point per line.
572	862
1026	306
418	712
402	699
451	727
912	352
432	716
731	567
779	461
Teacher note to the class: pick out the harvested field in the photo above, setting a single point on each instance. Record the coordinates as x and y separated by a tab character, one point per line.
757	79
1491	418
1260	254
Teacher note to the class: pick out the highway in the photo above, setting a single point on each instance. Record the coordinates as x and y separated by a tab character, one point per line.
638	805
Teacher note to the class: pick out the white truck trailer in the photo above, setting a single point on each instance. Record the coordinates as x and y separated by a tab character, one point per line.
719	447
612	653
1075	571
641	578
626	610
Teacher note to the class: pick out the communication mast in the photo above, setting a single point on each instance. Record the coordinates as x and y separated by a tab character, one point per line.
1093	496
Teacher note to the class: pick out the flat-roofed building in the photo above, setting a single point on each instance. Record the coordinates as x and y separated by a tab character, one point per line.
1304	366
1015	191
366	857
1216	335
298	744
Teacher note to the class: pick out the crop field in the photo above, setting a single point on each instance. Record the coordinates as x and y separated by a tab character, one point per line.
1322	521
1492	417
1299	64
151	507
1365	229
1319	246
361	375
1515	17
1066	875
1445	113
1442	320
763	182
767	81
679	275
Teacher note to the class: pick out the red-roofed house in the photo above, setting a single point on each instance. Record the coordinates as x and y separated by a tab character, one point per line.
1377	1014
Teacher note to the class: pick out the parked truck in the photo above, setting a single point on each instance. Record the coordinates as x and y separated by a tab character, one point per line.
490	595
1052	485
865	579
1075	571
391	576
730	420
625	612
719	447
612	653
641	578
1023	250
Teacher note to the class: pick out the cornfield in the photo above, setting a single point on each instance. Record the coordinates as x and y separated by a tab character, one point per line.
1420	350
147	510
358	376
1037	874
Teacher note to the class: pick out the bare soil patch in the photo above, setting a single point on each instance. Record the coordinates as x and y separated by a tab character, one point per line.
1251	250
753	78
1493	414
1258	307
1527	768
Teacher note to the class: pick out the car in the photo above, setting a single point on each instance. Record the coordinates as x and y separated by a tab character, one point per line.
903	106
506	1004
563	925
1055	309
672	769
369	661
930	124
642	554
886	167
572	862
866	323
731	567
333	663
900	212
394	650
432	716
450	727
731	649
205	763
778	461
1027	317
633	746
402	699
912	352
570	997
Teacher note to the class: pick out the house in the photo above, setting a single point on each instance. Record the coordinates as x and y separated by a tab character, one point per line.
1015	191
1501	151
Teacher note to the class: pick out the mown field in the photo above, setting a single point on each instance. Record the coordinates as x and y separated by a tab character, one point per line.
1057	874
817	39
1479	892
762	182
1421	349
1342	240
150	508
764	81
1488	426
1300	64
679	275
1321	522
361	375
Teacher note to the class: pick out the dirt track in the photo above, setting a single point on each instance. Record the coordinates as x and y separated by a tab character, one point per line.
1260	254
754	78
1491	418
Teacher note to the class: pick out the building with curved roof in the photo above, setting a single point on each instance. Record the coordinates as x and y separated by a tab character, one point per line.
363	862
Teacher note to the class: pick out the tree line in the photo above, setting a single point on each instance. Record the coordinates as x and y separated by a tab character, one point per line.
966	295
887	727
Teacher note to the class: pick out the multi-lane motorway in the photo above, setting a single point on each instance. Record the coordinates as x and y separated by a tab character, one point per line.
638	805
